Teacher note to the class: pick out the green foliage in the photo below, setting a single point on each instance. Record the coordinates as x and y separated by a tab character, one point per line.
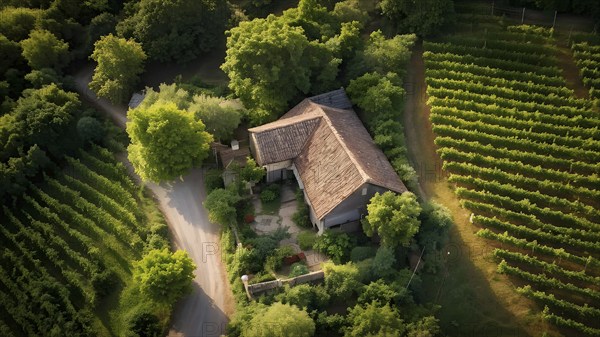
120	62
268	195
221	206
384	293
165	141
384	263
266	246
213	180
362	253
43	77
251	172
220	116
383	55
90	129
164	276
280	320
341	281
267	85
10	53
298	269
425	327
145	324
302	215
275	260
16	23
178	30
305	296
336	246
393	217
44	50
350	10
170	93
423	18
306	240
377	94
374	320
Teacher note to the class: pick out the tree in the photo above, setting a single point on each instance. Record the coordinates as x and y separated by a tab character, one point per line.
427	326
270	63
164	277
90	129
221	206
45	117
383	293
280	320
44	50
17	22
251	172
220	116
305	296
393	217
165	141
145	324
120	62
341	281
374	319
377	95
170	93
422	17
10	52
336	246
383	263
176	30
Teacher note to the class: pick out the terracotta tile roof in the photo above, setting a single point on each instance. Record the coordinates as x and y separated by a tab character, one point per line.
332	150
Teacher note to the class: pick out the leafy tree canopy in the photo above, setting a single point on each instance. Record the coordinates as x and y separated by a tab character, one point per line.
221	206
176	30
422	17
164	276
16	23
393	217
305	296
280	320
377	95
270	63
374	320
120	62
251	172
44	50
341	281
10	52
165	141
220	116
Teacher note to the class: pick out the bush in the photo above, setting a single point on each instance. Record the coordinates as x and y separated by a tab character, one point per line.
213	180
274	262
262	277
104	283
144	324
298	269
301	218
306	240
90	130
336	246
362	253
267	196
249	218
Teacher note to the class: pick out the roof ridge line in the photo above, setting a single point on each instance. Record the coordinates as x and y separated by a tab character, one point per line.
335	132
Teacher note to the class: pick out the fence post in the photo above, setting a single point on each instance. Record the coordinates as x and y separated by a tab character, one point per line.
492	8
523	16
554	23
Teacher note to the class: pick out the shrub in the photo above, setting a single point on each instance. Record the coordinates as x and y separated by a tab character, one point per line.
306	240
213	180
298	269
262	277
104	283
274	262
336	246
362	253
144	324
267	196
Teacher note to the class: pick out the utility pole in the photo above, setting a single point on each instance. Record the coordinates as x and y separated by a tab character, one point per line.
554	23
523	16
416	267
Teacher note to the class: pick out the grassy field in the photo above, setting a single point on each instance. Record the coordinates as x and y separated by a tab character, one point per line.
68	251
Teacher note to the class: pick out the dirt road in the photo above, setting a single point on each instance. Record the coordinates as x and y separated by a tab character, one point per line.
204	312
